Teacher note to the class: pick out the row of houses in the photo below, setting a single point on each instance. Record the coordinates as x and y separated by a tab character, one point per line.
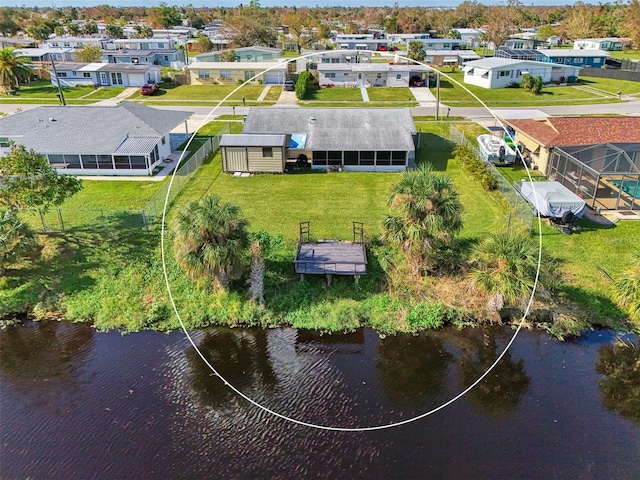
598	158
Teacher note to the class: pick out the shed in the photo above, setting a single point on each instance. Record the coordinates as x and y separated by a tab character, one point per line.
253	153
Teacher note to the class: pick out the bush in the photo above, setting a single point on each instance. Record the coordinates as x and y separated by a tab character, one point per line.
475	166
302	84
427	315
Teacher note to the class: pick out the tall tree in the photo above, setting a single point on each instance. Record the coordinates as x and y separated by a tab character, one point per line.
302	27
203	44
88	54
167	17
8	26
143	31
13	68
30	183
90	28
416	51
582	22
632	21
114	30
499	23
211	241
426	215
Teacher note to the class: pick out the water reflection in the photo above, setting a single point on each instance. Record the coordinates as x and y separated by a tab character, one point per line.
412	371
620	389
241	356
501	390
44	353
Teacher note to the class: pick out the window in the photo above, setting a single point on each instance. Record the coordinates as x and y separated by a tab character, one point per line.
56	161
330	74
504	73
346	74
378	75
351	158
4	142
225	74
105	162
578	60
335	60
366	158
470	71
249	74
116	78
319	158
398	158
334	158
203	74
164	140
62	74
267	56
86	74
122	161
267	152
72	161
138	161
89	161
398	76
383	158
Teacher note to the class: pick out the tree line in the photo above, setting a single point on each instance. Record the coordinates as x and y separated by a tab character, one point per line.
252	24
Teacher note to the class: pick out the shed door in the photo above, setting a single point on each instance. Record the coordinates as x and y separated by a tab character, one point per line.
237	160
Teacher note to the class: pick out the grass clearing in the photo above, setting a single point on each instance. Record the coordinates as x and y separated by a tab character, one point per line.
396	94
334	94
44	90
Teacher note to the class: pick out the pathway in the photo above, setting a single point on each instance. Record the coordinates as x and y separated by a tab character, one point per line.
264	93
423	96
365	94
112	102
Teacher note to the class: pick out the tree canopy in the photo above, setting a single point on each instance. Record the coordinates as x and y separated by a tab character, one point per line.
13	68
30	183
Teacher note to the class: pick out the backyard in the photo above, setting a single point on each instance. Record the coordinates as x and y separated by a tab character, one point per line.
276	204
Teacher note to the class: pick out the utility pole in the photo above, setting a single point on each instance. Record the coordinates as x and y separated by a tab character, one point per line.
55	73
437	95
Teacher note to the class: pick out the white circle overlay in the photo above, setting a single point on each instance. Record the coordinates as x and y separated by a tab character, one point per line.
329	427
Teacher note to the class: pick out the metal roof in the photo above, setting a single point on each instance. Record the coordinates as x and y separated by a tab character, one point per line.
560	52
253	140
495	62
137	145
256	66
88	129
132	52
338	128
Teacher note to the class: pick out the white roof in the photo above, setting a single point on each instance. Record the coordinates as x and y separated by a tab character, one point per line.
256	66
497	62
578	52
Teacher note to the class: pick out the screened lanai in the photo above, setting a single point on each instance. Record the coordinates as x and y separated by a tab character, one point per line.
606	176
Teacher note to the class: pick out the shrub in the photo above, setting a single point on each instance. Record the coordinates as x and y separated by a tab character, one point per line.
302	84
427	315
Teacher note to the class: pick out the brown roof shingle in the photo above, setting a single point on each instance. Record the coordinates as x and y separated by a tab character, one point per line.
570	131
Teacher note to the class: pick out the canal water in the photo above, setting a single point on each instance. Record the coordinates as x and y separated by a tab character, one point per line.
77	404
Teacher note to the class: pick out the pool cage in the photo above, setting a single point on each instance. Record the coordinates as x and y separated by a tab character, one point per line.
606	176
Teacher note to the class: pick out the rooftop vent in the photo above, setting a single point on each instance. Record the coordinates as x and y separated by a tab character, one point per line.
51	119
312	120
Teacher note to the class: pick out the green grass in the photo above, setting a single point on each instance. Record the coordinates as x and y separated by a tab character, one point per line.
334	94
455	96
44	90
626	87
273	94
626	54
172	92
396	94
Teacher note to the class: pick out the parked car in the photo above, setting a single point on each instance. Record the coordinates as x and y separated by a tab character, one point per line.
289	86
149	88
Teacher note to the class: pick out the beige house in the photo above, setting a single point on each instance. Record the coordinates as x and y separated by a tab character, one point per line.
208	73
253	153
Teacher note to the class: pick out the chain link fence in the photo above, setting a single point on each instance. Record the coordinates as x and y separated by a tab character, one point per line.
61	219
520	209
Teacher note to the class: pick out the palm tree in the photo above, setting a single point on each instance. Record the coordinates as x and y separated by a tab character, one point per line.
16	238
627	288
211	241
427	215
13	69
506	267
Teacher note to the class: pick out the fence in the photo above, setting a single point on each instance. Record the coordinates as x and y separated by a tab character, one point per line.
60	219
520	208
153	209
611	73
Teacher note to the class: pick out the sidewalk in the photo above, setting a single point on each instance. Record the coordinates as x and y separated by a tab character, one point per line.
112	102
424	97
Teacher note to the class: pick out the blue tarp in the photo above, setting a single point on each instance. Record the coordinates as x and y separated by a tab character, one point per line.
298	140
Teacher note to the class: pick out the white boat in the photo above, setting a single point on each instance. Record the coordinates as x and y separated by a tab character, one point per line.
495	150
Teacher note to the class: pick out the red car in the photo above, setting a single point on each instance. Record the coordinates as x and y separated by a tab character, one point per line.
149	89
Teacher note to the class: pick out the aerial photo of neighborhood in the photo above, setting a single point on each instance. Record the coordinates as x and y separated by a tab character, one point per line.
320	241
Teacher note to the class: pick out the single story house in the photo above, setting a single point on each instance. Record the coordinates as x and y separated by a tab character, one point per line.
105	74
331	56
164	57
207	73
13	42
470	36
438	43
539	136
66	41
608	44
128	139
154	43
497	72
579	58
366	139
368	74
441	58
44	54
362	41
597	158
521	43
243	54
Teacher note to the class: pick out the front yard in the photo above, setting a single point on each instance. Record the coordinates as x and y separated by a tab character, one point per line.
42	91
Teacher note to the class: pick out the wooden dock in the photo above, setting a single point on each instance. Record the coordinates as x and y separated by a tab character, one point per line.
331	258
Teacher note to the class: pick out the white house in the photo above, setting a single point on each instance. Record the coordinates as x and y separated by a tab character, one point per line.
497	72
76	42
368	74
104	74
128	139
608	44
243	54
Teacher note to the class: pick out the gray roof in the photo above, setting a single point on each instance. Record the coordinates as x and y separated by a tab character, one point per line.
253	140
338	128
131	52
370	67
133	145
497	62
89	129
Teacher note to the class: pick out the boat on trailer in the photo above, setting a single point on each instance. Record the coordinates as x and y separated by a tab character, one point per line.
495	150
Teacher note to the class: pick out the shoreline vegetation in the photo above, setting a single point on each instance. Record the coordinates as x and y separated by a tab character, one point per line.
113	276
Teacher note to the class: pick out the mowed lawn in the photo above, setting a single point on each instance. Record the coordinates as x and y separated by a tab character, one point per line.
456	96
170	92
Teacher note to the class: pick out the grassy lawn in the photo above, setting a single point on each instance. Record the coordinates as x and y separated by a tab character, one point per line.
273	94
455	96
626	54
352	104
34	92
627	87
335	94
396	94
171	92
